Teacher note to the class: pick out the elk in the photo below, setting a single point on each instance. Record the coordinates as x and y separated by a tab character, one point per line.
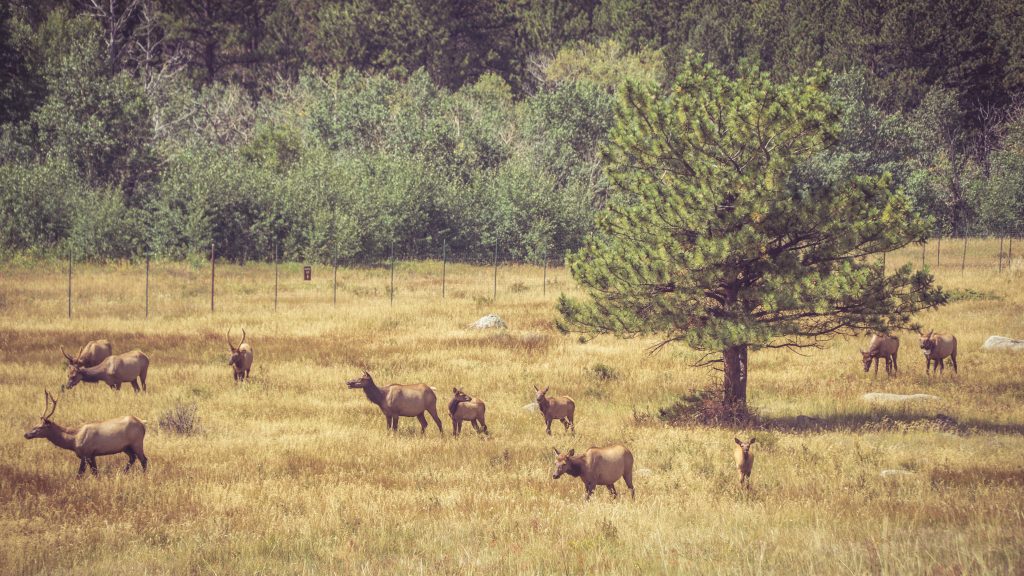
561	408
128	367
241	357
399	400
744	460
94	439
94	352
464	407
597	467
936	348
881	346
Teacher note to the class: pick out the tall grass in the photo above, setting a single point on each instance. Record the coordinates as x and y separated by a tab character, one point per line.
293	473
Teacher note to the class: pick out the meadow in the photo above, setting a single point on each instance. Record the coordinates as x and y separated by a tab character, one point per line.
292	473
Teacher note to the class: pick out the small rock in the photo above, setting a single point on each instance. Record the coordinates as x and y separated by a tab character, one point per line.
531	407
489	321
645	472
896	473
1002	343
884	397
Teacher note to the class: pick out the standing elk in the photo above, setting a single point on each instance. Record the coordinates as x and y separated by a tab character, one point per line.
399	400
125	434
241	357
598	467
94	352
936	348
128	367
464	407
561	408
744	460
881	346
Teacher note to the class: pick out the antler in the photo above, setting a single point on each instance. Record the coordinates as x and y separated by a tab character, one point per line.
70	359
229	340
50	409
243	337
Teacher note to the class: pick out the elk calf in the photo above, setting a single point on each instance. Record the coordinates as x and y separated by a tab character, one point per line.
936	348
114	370
398	400
94	352
881	346
744	460
464	407
125	434
561	408
597	467
241	357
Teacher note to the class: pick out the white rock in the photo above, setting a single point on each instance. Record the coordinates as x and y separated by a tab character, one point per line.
489	321
1002	343
883	397
896	473
531	407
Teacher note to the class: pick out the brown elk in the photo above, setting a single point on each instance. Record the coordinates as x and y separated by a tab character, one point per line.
744	460
94	352
114	436
464	407
598	467
399	400
936	348
128	367
241	357
561	408
881	346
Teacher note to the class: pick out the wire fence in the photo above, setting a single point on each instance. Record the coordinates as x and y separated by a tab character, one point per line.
504	271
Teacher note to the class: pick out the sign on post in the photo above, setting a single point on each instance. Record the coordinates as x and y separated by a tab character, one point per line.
307	273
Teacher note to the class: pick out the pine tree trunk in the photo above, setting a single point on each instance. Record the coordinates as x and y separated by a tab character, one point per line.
735	358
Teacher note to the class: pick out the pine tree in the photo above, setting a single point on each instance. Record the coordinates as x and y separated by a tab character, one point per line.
736	225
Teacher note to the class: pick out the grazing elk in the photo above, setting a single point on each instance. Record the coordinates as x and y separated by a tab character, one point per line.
881	346
94	352
598	467
128	367
744	460
399	400
936	348
464	407
125	434
561	408
241	357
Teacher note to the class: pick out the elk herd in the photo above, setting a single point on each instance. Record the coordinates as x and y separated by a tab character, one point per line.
597	466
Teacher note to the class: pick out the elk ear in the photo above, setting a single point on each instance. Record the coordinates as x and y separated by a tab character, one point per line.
557	453
738	441
930	332
455	390
545	390
752	440
571	452
535	388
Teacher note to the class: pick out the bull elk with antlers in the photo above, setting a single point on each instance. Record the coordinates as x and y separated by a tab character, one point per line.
94	352
113	370
94	439
241	357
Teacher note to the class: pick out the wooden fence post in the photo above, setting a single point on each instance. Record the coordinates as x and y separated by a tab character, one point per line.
69	282
213	274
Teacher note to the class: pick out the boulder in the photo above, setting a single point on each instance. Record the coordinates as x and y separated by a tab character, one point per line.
1002	343
887	398
531	407
489	321
896	473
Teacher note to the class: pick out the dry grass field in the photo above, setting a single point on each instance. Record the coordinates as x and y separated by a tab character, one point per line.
292	473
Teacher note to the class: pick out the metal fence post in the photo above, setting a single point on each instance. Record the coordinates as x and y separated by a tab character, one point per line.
147	285
69	282
335	281
938	251
444	264
495	295
392	291
924	248
1000	253
213	274
544	291
963	260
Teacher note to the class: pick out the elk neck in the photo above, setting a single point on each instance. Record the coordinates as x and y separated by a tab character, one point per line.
93	373
374	394
575	466
543	403
454	405
61	437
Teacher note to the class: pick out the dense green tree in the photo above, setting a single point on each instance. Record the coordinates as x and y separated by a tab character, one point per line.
731	228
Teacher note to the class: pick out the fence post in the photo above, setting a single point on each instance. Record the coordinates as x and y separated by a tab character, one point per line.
213	273
147	285
1009	257
69	283
545	289
1000	253
444	263
938	251
883	263
963	261
495	295
392	291
276	276
924	248
335	281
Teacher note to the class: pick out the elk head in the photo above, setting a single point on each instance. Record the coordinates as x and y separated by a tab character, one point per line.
744	446
460	396
866	358
927	344
363	381
563	463
43	429
540	393
75	373
236	356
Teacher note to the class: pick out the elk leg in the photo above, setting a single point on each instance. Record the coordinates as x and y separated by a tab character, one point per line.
143	460
565	422
475	425
895	368
131	458
611	490
548	420
942	366
433	414
81	467
952	359
423	422
590	489
135	385
455	427
876	366
92	465
628	477
483	424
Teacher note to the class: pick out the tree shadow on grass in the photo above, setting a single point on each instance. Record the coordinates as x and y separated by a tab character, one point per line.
888	421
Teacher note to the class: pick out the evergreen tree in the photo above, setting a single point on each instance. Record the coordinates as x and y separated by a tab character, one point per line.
734	227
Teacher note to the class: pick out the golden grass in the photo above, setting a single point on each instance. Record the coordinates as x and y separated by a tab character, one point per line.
295	474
